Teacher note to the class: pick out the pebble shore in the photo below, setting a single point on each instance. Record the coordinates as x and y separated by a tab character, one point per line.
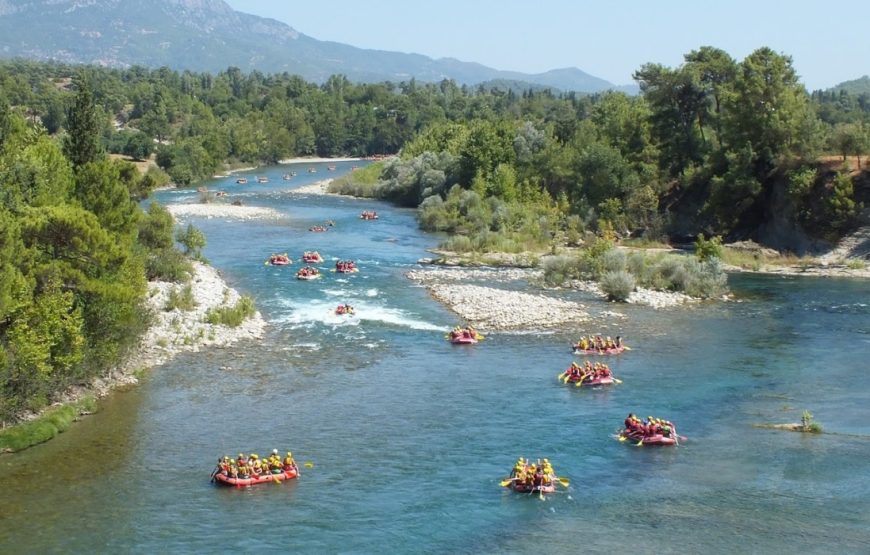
227	211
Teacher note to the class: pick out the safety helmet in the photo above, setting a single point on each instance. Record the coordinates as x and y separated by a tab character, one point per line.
274	451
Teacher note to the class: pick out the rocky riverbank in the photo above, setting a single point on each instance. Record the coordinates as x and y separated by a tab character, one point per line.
172	332
319	188
491	308
226	211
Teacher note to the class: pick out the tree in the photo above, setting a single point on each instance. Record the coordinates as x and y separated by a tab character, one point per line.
100	190
768	110
82	143
677	101
851	139
716	71
138	146
193	241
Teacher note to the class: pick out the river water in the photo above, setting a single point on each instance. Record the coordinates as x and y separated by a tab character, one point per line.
409	436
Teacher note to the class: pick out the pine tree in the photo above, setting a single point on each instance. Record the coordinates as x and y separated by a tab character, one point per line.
82	144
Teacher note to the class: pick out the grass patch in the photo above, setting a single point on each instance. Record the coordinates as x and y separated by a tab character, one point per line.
644	243
53	422
232	316
181	299
749	260
856	264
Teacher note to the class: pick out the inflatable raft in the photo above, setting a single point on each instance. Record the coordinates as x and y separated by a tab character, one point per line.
521	487
287	474
463	340
606	380
614	351
656	439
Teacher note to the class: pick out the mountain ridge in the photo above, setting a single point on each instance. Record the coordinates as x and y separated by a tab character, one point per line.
209	35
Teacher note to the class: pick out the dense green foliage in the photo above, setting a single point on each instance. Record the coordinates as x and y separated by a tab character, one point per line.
73	250
714	145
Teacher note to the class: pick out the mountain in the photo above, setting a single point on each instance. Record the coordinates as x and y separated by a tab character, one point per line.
855	86
208	35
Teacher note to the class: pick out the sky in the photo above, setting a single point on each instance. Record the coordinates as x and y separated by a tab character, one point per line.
611	40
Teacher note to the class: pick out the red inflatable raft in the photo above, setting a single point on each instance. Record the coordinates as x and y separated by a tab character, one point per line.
605	380
463	340
614	351
655	439
287	474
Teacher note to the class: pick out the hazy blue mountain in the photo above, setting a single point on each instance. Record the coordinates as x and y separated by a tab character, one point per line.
208	35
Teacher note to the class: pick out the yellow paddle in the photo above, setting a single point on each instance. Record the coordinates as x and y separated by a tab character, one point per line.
564	481
309	464
506	483
617	380
622	438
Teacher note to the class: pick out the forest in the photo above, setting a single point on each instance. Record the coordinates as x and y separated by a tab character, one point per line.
716	147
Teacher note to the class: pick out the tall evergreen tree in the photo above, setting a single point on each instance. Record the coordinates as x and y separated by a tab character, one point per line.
82	144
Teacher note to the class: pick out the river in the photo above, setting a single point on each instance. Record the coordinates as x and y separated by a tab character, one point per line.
409	436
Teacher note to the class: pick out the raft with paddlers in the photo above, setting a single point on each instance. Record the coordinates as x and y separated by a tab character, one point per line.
318	228
346	267
279	476
652	431
311	257
597	345
279	260
308	273
463	336
250	470
368	215
343	309
588	375
533	477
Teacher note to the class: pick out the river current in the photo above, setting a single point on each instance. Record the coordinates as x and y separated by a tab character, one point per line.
409	436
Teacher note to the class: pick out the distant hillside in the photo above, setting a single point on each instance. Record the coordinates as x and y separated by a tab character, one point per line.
856	86
208	35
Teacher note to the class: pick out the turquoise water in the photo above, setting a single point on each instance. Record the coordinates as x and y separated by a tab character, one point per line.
410	436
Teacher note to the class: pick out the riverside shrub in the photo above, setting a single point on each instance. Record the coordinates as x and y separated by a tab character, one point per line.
232	316
617	285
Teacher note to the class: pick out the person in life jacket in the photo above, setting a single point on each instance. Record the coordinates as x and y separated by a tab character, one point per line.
289	462
244	468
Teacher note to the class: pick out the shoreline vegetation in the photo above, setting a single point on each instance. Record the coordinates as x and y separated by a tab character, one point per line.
174	330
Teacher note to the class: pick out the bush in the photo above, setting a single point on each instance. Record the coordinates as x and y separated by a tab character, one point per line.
613	261
558	269
704	279
180	299
617	285
168	265
706	249
232	316
808	423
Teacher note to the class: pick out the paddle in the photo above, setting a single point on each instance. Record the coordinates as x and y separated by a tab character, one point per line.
506	483
215	472
617	380
309	464
639	443
564	481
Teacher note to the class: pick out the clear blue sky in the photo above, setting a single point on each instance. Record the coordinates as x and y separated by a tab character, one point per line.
827	40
